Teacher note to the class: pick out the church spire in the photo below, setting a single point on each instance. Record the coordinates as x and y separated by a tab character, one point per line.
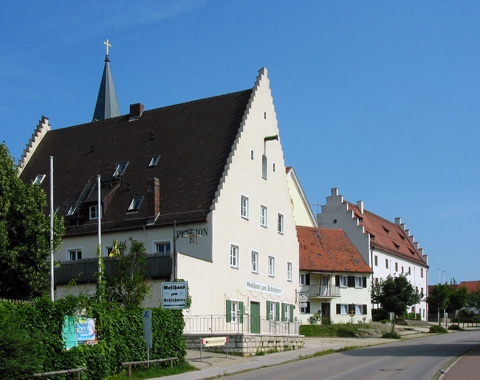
107	102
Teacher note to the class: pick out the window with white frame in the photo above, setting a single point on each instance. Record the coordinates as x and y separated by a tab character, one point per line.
162	247
343	281
280	223
39	179
286	312
74	254
254	261
358	282
304	278
358	309
234	311
263	215
271	310
305	309
271	266
343	309
120	169
289	271
93	212
135	203
234	252
244	206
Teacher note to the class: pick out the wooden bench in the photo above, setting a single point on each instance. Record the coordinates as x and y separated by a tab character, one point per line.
147	362
63	372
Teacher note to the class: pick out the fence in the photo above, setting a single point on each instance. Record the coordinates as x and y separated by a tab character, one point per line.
217	324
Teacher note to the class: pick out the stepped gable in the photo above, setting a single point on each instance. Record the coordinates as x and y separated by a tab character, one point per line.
386	235
193	140
329	250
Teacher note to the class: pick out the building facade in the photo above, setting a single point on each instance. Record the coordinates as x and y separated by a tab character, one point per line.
388	248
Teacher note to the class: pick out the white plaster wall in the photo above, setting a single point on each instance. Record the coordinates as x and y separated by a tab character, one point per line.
301	209
244	176
382	272
335	209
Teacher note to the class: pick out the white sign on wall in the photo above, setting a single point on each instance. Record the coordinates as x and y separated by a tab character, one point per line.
174	295
263	288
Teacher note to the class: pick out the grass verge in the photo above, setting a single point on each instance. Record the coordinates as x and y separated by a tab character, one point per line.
149	373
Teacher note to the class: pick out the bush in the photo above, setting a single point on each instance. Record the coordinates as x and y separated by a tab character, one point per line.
379	315
18	348
332	330
413	317
391	335
31	337
455	327
435	329
315	318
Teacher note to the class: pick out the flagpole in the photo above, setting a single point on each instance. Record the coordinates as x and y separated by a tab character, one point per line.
52	283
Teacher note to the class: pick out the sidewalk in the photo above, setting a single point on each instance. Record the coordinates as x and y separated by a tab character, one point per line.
214	365
467	367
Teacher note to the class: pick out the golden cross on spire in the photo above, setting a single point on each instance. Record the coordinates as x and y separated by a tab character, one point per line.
108	45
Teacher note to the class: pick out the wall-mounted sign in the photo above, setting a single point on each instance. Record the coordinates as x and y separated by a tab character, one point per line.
174	295
263	288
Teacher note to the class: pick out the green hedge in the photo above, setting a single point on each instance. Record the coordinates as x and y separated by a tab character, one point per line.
31	338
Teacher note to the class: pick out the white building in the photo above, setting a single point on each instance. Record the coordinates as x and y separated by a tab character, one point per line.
388	248
210	170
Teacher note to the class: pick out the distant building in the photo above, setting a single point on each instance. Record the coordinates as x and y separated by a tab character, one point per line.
334	278
388	248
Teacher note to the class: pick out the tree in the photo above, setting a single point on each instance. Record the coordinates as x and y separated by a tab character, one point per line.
127	285
24	234
396	294
438	299
457	298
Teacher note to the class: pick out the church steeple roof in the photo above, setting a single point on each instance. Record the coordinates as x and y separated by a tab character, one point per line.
107	102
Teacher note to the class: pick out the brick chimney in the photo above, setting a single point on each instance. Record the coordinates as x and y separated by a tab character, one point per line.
136	110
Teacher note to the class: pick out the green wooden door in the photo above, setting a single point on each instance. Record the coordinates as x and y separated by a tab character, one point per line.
254	317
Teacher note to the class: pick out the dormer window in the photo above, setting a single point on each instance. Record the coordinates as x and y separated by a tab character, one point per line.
154	161
39	179
135	204
93	212
120	169
396	246
387	231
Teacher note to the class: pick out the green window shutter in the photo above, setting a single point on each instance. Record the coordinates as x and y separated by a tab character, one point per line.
241	311
284	309
268	310
364	279
292	308
277	311
229	311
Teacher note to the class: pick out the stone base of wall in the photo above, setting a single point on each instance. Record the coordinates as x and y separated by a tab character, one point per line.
248	344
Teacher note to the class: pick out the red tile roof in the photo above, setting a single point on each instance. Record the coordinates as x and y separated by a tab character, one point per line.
472	286
329	250
386	235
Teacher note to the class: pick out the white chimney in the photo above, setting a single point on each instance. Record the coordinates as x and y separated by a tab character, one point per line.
360	206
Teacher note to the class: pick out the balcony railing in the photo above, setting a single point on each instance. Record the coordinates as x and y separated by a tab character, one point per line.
83	271
217	324
320	291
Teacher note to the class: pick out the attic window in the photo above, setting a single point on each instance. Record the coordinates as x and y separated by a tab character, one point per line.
402	237
386	230
413	253
39	179
334	221
71	210
372	237
135	204
120	169
360	220
396	245
154	161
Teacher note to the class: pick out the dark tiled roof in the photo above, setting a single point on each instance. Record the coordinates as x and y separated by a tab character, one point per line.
388	236
329	250
193	140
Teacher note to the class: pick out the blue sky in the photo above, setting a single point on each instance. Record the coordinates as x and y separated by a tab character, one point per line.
379	99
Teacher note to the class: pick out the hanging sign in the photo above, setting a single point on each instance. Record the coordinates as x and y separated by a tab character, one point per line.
174	295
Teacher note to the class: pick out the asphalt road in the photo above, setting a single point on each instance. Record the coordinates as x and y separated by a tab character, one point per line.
418	359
